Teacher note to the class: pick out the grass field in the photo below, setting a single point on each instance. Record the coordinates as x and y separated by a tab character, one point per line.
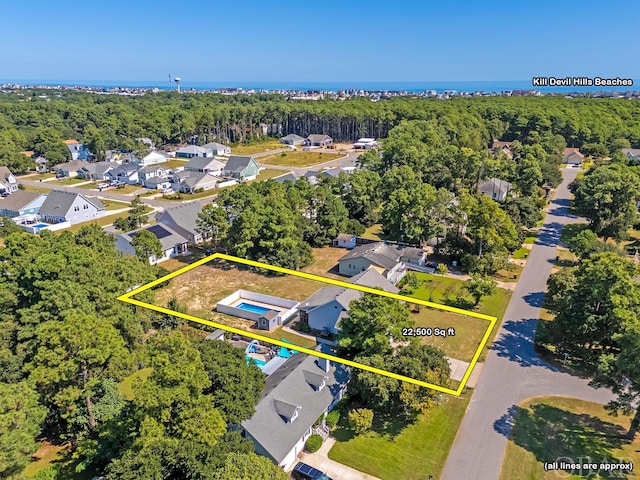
521	253
114	204
126	385
298	159
67	181
547	428
58	457
38	189
469	330
397	450
256	148
373	232
174	163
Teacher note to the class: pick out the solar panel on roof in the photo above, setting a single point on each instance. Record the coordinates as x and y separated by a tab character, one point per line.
158	231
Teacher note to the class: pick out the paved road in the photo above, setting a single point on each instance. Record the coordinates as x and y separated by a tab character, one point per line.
513	371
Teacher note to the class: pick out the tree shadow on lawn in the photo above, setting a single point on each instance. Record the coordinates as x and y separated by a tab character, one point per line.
551	433
463	303
385	425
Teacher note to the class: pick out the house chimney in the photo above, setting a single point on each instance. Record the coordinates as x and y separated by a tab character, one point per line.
324	364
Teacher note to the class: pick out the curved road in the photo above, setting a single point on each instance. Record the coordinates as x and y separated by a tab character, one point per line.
513	371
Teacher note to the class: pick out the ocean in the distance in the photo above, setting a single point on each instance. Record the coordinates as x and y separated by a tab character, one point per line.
440	86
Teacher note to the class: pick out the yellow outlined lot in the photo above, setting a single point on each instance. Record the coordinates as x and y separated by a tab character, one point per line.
127	297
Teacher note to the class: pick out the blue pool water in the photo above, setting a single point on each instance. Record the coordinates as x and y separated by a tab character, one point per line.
284	353
260	363
249	307
40	225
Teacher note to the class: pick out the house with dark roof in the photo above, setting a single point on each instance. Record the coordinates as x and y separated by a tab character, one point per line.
345	240
208	165
216	148
126	173
304	389
61	206
96	171
69	169
632	153
387	259
495	188
324	310
191	182
292	139
242	168
173	244
191	151
8	181
288	177
156	177
501	147
20	203
183	219
318	140
572	156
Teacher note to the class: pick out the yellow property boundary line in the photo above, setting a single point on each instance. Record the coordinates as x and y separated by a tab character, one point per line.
127	297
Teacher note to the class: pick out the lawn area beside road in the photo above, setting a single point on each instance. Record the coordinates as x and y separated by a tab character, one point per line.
549	428
469	330
397	450
256	148
298	159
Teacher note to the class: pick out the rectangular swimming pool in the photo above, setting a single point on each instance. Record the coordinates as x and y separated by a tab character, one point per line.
260	363
40	225
250	307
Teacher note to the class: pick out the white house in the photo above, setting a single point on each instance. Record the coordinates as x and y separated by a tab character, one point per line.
318	140
345	240
216	148
152	158
495	188
183	219
388	260
191	151
8	181
208	165
173	244
60	206
21	203
572	156
632	153
365	144
292	139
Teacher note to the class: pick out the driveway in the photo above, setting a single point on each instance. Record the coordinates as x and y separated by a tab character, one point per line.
513	371
335	470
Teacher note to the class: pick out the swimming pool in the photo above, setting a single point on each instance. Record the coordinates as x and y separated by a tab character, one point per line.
260	363
40	225
250	307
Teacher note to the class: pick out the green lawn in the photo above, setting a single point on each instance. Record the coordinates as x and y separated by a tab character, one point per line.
126	385
547	428
571	230
521	253
256	148
531	239
38	189
175	163
373	232
469	330
114	204
400	451
298	159
40	176
67	181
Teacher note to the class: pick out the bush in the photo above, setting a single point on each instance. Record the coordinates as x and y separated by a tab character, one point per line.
199	190
20	186
332	418
361	420
442	269
314	442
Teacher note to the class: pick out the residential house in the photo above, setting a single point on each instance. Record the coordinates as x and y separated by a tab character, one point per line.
385	258
345	240
21	203
61	206
413	255
8	181
205	165
191	182
158	183
499	146
128	173
292	139
242	168
334	172
216	148
79	151
192	151
183	219
365	144
96	171
69	169
495	188
288	177
572	156
151	158
173	244
324	310
318	140
154	171
632	154
42	164
300	392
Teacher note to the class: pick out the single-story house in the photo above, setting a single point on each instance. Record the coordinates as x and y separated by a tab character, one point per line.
79	151
192	151
96	171
318	140
157	183
42	164
60	206
22	202
495	188
413	255
152	158
208	165
302	390
572	156
385	258
292	139
69	169
217	148
126	173
504	147
243	168
632	153
8	181
193	181
365	144
183	219
345	240
288	177
324	310
153	171
334	172
173	244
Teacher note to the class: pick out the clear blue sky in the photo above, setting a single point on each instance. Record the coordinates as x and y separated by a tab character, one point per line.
332	40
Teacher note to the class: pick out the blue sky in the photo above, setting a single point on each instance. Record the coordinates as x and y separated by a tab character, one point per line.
333	40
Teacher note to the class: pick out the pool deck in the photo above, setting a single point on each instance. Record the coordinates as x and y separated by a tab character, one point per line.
240	301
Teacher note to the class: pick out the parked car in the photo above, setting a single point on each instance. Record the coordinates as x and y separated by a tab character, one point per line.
302	471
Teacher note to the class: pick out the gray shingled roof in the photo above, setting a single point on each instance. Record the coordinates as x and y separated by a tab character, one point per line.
283	178
5	173
287	388
494	185
380	254
98	168
215	146
293	137
192	149
634	152
18	200
237	164
196	178
200	163
73	165
318	137
185	215
58	203
168	237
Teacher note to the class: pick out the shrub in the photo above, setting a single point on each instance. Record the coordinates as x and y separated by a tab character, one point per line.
20	186
314	442
442	269
332	419
199	190
361	420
